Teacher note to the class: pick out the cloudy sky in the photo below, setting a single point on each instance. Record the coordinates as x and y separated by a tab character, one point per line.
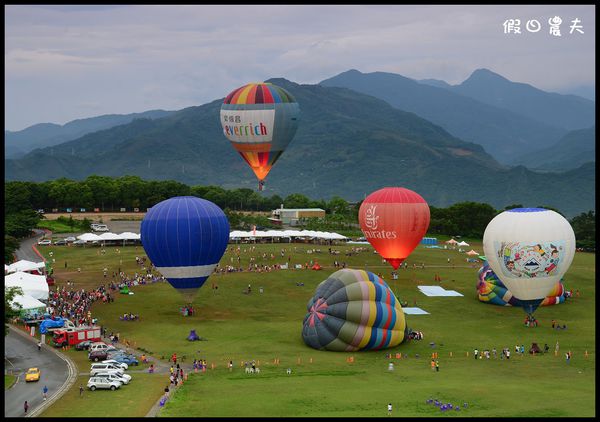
68	62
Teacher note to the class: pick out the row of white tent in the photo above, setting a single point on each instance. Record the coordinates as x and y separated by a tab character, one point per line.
90	237
32	285
253	234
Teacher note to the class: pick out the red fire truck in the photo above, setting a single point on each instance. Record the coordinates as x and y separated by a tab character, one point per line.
75	336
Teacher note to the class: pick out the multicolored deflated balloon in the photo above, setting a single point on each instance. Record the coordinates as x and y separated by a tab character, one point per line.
353	310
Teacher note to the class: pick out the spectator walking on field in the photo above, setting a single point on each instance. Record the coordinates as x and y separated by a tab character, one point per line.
389	409
80	390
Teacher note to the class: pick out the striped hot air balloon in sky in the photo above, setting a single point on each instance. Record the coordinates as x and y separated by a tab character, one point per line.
185	238
260	120
353	310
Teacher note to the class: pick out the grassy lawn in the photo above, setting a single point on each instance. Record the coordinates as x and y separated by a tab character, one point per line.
267	326
9	380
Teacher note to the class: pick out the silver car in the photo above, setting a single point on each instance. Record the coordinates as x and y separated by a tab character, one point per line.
103	382
115	377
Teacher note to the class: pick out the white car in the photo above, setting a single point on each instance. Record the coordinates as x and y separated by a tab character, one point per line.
115	377
121	364
103	382
45	242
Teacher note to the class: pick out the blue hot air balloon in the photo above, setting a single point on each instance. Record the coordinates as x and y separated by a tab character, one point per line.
185	237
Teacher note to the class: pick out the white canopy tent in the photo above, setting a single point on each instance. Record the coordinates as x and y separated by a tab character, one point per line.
110	236
24	265
89	237
28	302
463	243
31	284
129	236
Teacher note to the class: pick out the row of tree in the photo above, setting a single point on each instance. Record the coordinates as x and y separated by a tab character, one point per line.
468	219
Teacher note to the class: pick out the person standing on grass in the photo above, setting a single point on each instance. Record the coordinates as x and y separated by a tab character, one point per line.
80	390
389	409
432	365
437	366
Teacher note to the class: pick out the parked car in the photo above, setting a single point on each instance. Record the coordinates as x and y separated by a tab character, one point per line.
126	359
105	367
121	376
32	374
60	242
115	377
79	242
70	239
98	355
123	365
102	382
45	242
84	345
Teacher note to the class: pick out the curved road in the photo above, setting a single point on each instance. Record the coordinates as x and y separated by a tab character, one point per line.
21	353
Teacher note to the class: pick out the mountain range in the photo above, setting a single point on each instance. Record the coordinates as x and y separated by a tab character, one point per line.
348	144
18	143
510	120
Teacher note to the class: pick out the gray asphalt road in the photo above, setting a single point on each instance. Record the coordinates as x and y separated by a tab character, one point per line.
25	251
22	353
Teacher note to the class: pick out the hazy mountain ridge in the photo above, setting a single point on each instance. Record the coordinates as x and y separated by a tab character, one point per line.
503	133
42	135
348	144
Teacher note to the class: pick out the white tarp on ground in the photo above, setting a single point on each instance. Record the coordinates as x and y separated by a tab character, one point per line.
28	302
24	265
437	291
31	284
414	311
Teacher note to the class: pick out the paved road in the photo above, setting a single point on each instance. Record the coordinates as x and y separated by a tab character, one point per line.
25	251
22	353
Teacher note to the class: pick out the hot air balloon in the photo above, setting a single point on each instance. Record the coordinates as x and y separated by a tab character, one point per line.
260	120
529	249
185	237
490	289
353	310
394	220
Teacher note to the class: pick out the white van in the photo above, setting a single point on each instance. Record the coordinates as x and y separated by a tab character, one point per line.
107	368
122	378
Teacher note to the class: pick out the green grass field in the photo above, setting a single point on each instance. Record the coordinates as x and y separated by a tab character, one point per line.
268	326
9	380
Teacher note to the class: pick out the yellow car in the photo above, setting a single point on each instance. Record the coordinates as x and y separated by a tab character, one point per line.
32	374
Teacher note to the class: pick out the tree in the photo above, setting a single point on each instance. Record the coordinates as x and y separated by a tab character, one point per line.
584	227
11	244
10	310
338	205
297	200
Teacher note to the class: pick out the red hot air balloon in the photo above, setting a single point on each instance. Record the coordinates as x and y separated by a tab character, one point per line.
394	220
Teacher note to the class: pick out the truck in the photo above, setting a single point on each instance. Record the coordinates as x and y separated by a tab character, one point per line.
75	336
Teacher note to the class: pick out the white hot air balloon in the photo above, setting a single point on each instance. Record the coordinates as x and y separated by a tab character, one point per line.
529	249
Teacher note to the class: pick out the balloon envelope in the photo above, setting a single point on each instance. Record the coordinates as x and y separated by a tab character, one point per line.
394	220
185	237
353	310
529	249
490	289
260	120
